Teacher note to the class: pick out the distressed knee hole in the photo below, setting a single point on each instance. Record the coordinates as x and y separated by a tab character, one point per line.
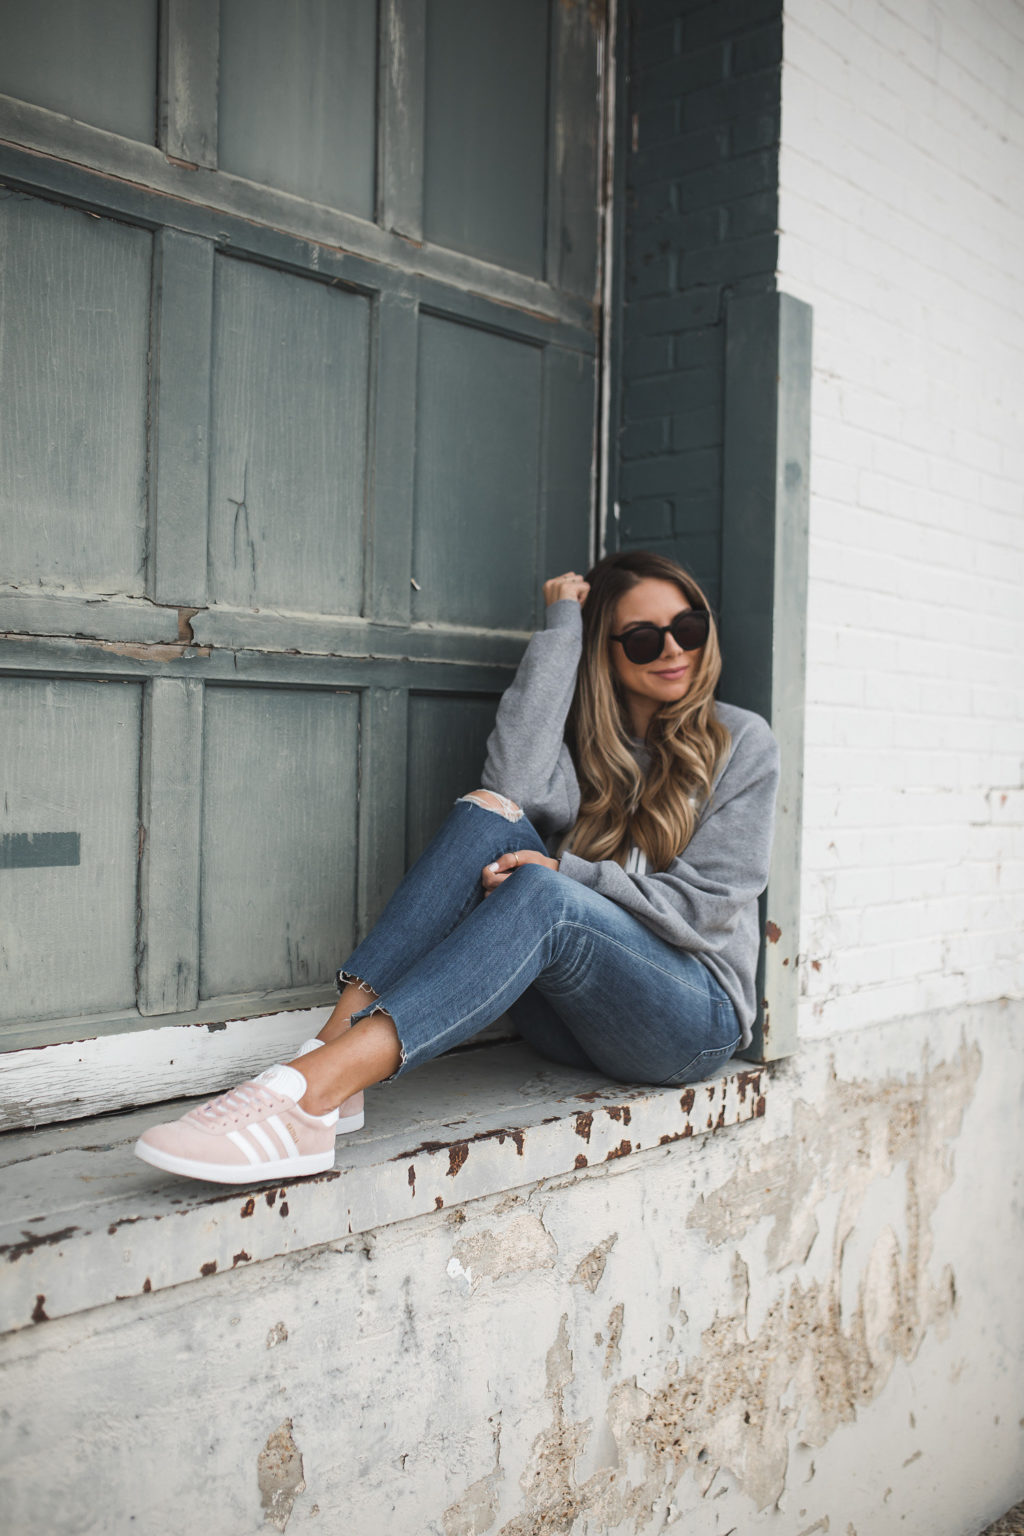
490	800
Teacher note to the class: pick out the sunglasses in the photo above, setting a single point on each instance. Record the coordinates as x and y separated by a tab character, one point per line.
644	643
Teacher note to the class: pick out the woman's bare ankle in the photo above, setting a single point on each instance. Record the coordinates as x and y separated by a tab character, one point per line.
334	1028
355	997
359	1057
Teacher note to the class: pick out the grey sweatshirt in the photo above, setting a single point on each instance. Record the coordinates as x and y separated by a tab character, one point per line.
706	901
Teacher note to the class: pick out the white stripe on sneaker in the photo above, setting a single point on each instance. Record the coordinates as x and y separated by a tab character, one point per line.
259	1134
240	1142
286	1141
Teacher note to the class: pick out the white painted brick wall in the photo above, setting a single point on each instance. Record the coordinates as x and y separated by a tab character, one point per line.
902	223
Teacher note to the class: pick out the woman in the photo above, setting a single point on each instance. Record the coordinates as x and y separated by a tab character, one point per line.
601	887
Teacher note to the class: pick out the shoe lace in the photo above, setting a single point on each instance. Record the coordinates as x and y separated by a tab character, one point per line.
236	1102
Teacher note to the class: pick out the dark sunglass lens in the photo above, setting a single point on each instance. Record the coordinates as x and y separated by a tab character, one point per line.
690	630
643	644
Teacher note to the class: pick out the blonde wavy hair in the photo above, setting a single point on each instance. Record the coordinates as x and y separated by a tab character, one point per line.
620	804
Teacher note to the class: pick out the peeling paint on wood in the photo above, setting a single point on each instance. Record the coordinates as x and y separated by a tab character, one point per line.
370	1186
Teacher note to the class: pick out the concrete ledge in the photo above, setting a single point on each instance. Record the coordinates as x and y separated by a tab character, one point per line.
86	1223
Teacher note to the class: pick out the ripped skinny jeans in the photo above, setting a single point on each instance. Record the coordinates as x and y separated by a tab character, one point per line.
583	981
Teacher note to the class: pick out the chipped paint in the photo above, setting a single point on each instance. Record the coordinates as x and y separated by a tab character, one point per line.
477	1509
712	1334
279	1475
501	1134
33	1240
548	1503
812	1363
524	1244
371	1186
590	1269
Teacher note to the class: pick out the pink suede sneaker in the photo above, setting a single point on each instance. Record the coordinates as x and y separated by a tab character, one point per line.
245	1136
350	1115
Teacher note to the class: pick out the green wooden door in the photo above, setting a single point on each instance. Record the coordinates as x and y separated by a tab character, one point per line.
299	321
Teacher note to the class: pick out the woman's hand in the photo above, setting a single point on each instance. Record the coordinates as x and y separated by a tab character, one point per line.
569	585
492	875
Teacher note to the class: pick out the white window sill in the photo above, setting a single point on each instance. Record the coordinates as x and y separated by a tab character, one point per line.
86	1223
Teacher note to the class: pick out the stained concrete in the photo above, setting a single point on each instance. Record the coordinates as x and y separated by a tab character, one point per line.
810	1322
1011	1524
85	1222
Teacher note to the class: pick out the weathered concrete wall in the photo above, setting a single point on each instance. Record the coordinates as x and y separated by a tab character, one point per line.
808	1323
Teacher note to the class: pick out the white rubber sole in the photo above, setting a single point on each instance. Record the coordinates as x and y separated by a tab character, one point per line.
350	1123
237	1173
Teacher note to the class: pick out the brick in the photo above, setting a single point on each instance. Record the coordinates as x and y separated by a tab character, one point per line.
696	307
643	355
698	515
695	472
686	152
729	260
757	214
701	348
701	470
656	123
726	18
732	98
752	131
674	78
651	201
759	282
678	234
654	13
682	391
650	275
646	519
819	58
701	428
700	552
643	438
757	50
736	178
649	45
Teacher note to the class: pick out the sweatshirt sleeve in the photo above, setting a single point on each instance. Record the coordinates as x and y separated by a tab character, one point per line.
697	902
527	758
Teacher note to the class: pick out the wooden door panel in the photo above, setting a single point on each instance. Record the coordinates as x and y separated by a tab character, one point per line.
94	62
69	771
485	144
297	99
477	472
280	781
447	744
288	440
74	318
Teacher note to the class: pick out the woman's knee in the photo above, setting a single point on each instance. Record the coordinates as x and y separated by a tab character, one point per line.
542	891
491	800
